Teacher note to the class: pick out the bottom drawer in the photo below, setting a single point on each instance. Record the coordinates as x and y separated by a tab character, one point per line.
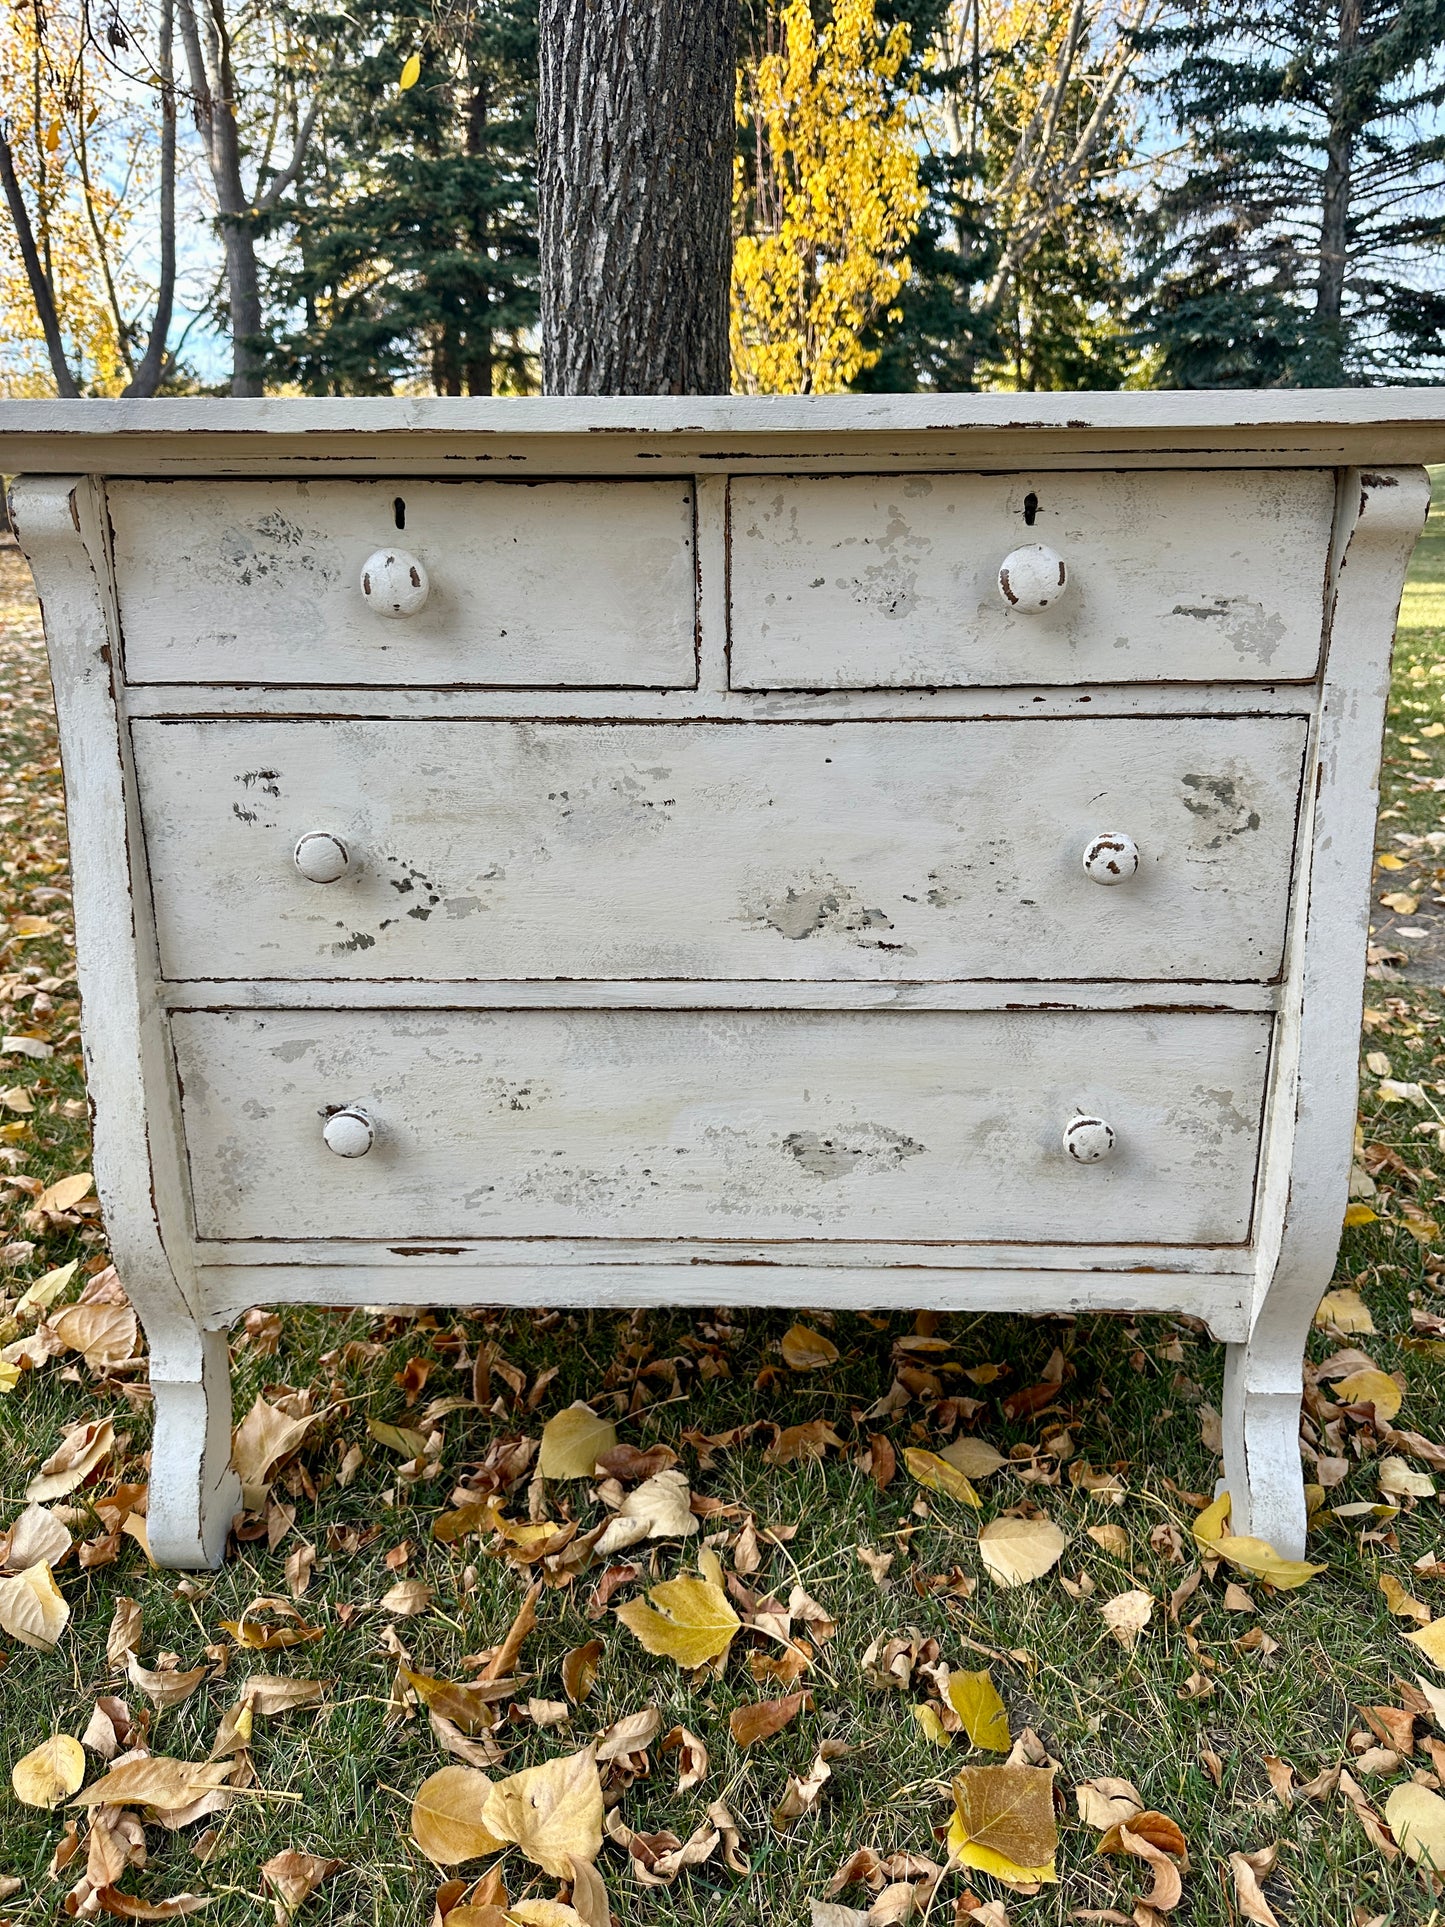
901	1126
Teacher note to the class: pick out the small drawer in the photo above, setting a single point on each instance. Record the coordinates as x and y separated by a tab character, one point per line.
900	581
432	583
876	850
918	1127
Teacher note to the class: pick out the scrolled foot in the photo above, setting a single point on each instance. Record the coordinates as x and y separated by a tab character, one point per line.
1262	1468
194	1494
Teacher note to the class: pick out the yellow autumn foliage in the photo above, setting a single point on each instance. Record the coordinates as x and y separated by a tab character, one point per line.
826	207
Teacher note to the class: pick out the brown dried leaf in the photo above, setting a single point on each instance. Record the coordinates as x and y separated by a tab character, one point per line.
293	1877
1004	1821
104	1335
760	1721
156	1781
1247	1869
805	1350
579	1670
36	1538
693	1760
83	1448
32	1608
261	1441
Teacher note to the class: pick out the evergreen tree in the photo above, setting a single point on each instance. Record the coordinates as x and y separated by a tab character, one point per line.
1300	243
412	255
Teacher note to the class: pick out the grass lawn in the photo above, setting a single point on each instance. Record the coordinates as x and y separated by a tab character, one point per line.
1233	1678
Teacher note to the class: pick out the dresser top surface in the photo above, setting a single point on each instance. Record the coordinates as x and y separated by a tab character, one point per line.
660	435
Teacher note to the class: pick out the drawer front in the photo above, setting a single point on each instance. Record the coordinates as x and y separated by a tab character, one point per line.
858	582
527	583
737	1125
894	850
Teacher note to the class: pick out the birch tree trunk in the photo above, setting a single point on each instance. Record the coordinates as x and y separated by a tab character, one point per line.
635	140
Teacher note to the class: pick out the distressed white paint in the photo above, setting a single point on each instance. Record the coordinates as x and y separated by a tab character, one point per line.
864	581
680	1124
558	582
876	850
673	1098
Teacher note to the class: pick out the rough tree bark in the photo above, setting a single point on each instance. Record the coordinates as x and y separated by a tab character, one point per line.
1335	208
635	141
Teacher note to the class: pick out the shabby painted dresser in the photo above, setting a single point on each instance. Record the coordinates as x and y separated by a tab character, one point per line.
844	852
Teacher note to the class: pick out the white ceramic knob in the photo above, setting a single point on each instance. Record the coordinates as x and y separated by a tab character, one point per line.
349	1133
1112	858
1088	1139
1032	577
322	857
394	583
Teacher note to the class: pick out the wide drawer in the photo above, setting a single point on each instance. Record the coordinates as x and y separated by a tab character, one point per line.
683	1124
863	581
899	850
541	583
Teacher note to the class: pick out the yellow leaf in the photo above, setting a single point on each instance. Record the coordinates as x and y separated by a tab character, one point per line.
32	1608
1431	1641
9	1375
1014	1551
685	1619
410	73
65	1192
1389	861
1416	1817
46	1290
33	927
262	1440
446	1817
402	1439
933	1728
1259	1557
541	1913
551	1811
805	1350
1371	1388
1003	1821
465	1706
1209	1526
1359	1214
939	1476
1401	902
51	1773
1402	1603
1126	1616
974	1697
975	1458
52	138
73	1460
1345	1311
573	1441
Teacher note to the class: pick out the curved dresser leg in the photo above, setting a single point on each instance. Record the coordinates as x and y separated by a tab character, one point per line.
1262	1470
194	1493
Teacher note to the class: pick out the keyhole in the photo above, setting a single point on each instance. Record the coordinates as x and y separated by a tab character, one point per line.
398	512
1031	509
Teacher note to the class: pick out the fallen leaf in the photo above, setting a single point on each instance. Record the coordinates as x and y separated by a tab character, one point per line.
1399	1480
50	1774
1126	1616
1357	1214
1103	1803
687	1619
1168	1888
1015	1551
1416	1817
1431	1641
810	1440
1371	1388
975	1458
73	1460
164	1689
124	1906
104	1335
543	1913
32	1608
1259	1557
65	1193
446	1817
156	1781
573	1441
975	1699
805	1350
37	1537
248	1631
760	1721
46	1290
1247	1869
1112	1538
579	1670
659	1508
407	1598
124	1634
939	1475
1157	1828
692	1757
551	1811
404	1440
1003	1821
467	1707
293	1877
1345	1312
260	1442
801	1793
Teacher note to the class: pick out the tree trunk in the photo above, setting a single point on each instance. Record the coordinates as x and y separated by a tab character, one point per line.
152	367
207	42
1335	205
635	141
41	292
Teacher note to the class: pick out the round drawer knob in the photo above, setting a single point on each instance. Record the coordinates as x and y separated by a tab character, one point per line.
394	583
322	857
349	1133
1032	577
1088	1139
1112	858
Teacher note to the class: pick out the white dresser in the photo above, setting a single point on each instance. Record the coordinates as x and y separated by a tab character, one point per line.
847	852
